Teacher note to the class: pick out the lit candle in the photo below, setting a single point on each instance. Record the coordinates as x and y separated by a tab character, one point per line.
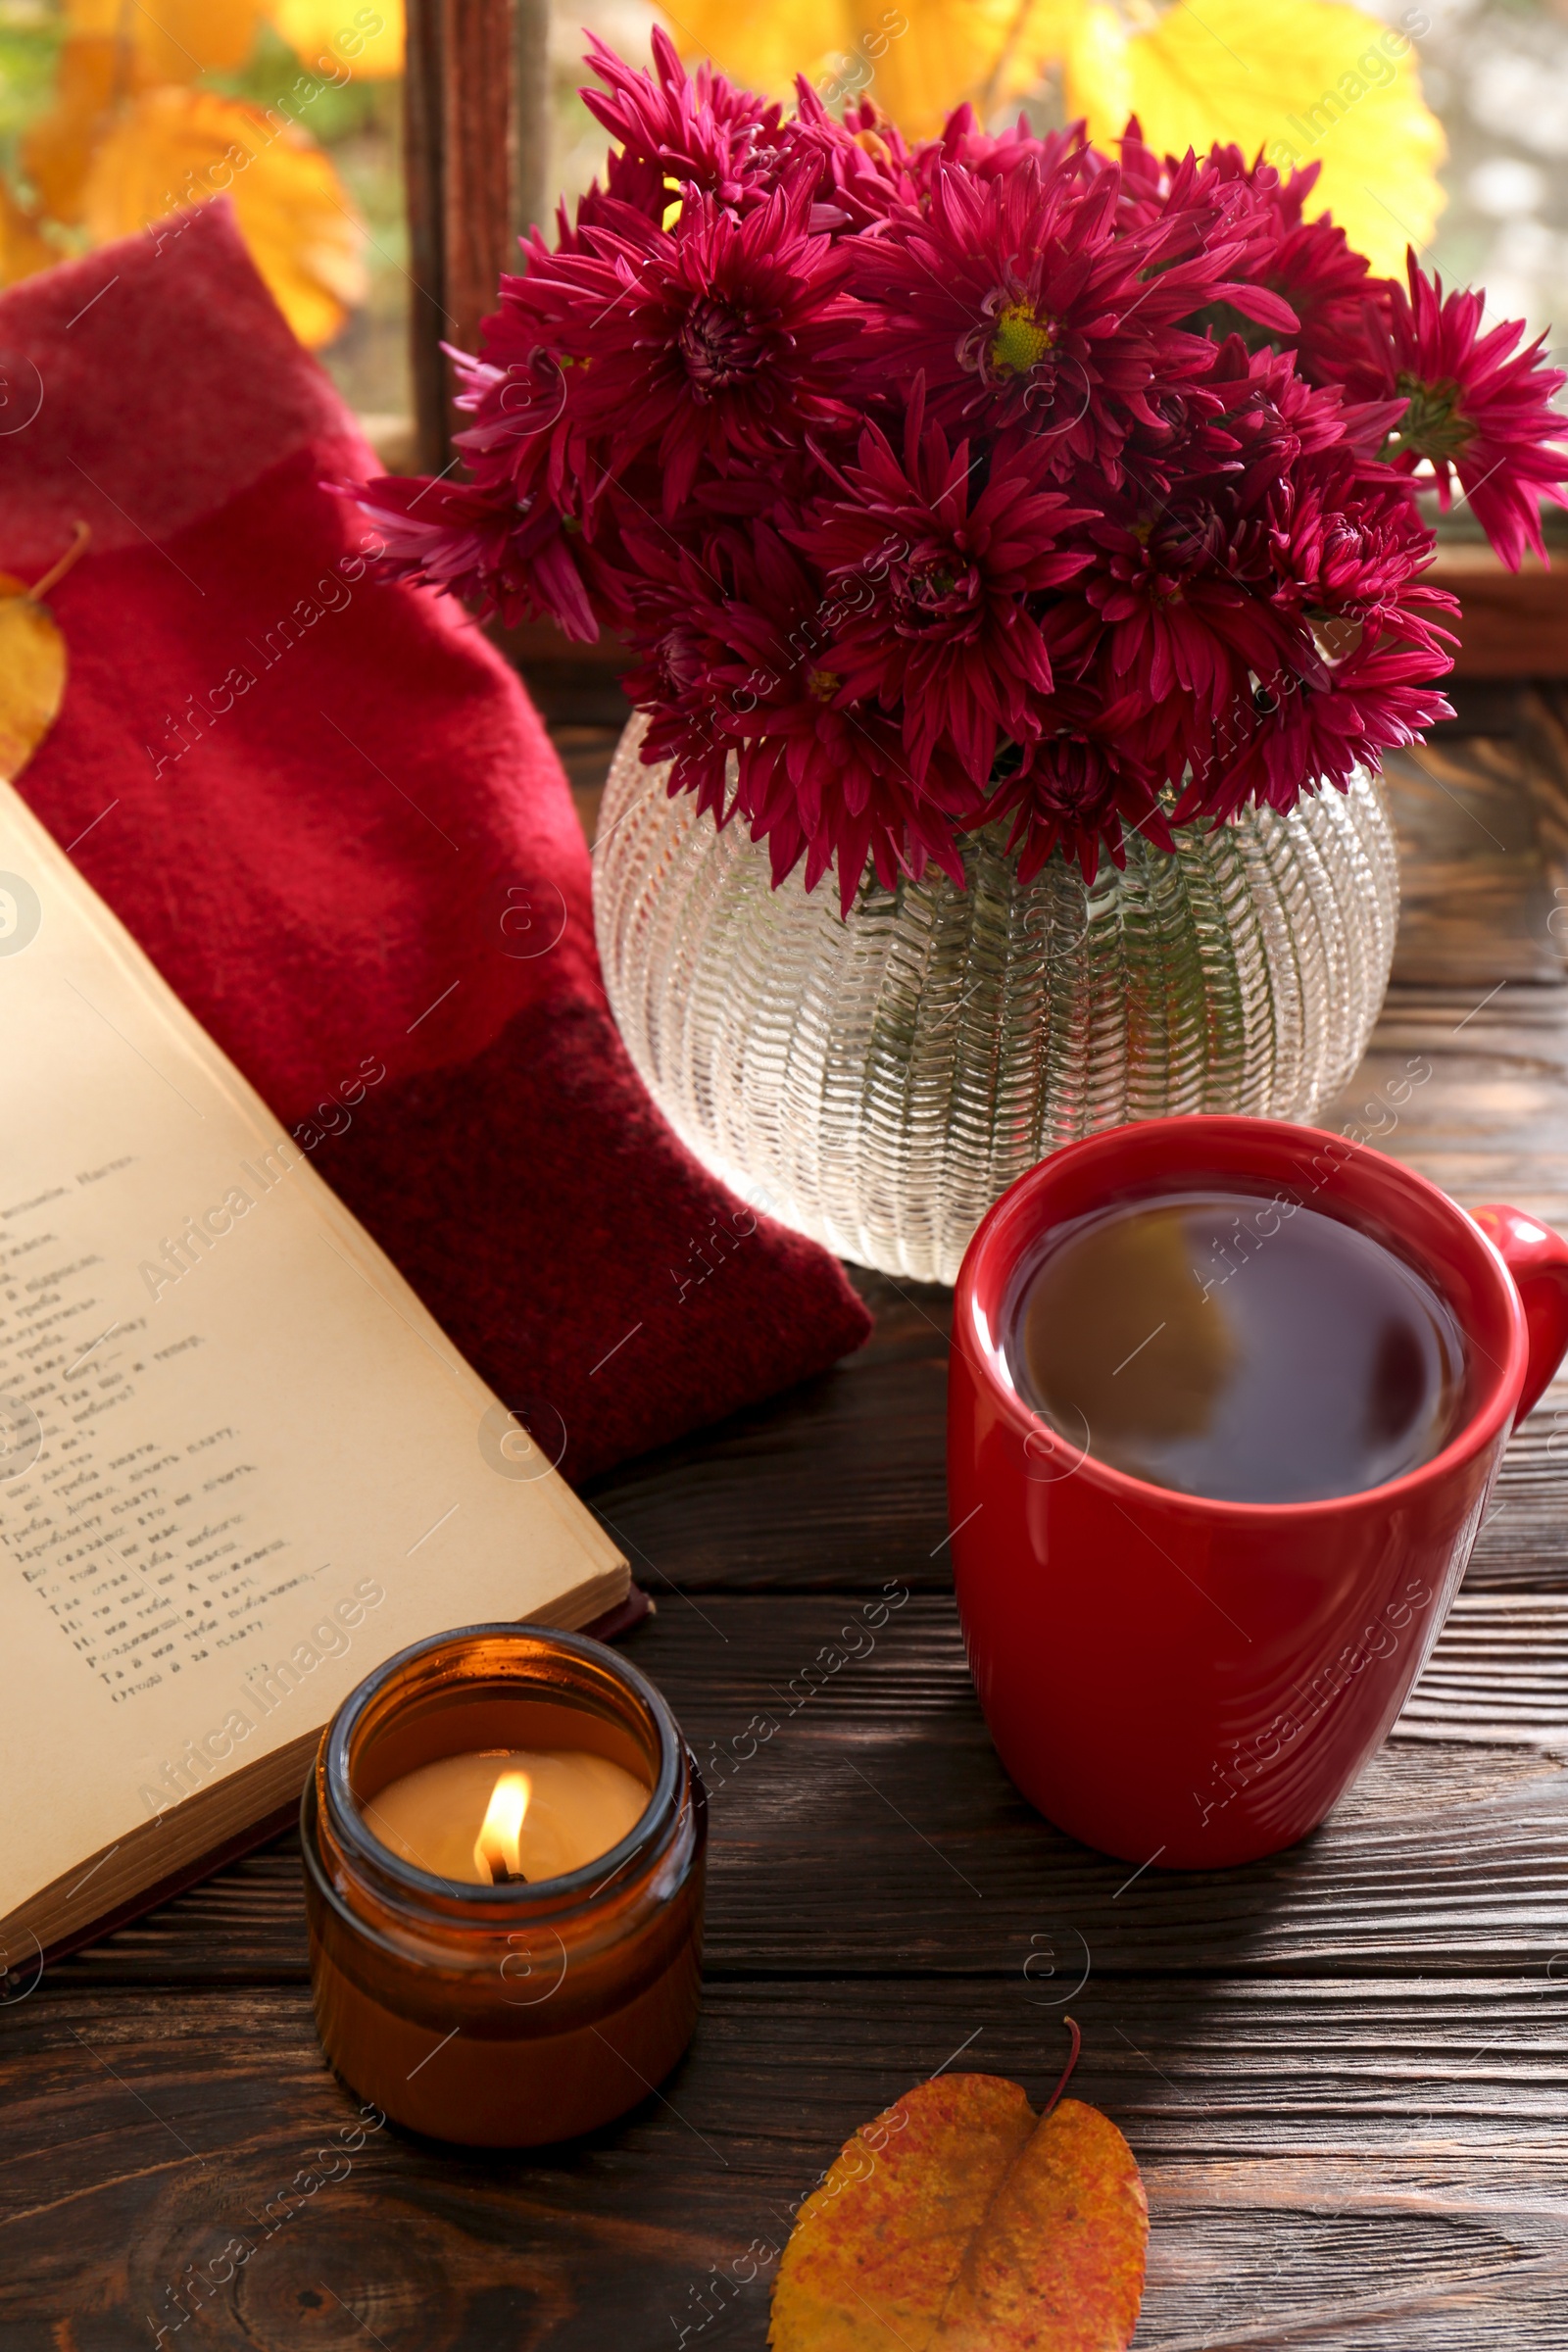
516	1813
503	1844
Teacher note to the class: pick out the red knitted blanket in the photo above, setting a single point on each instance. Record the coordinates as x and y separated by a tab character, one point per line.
325	807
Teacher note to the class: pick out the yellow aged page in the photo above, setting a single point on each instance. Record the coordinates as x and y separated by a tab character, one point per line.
239	1462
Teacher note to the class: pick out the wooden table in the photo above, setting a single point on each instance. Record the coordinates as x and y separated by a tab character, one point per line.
1345	2071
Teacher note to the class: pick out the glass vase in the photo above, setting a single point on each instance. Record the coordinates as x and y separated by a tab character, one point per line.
876	1081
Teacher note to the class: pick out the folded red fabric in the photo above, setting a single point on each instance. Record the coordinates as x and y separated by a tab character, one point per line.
325	807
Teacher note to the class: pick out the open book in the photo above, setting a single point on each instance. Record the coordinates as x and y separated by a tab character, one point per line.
240	1464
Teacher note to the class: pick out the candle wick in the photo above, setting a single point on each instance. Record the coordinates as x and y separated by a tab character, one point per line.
501	1875
501	1829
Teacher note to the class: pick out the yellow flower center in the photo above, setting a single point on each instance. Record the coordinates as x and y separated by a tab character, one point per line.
823	684
1021	340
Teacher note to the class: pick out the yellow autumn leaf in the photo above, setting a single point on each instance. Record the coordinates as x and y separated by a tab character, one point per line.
114	50
175	147
329	34
1306	81
171	41
986	51
917	59
764	47
22	252
58	146
33	676
32	661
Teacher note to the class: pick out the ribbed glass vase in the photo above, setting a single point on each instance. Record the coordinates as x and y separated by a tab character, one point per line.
878	1081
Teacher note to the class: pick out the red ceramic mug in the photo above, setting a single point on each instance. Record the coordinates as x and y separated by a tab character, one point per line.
1194	1682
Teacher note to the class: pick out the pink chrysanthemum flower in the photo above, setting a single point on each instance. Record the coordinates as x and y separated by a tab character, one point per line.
1025	306
1080	785
833	786
741	669
966	146
701	344
949	630
677	133
989	479
1314	267
500	555
863	169
1308	265
1380	697
1476	408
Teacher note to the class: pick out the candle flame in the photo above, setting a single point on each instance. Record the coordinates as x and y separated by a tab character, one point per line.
496	1849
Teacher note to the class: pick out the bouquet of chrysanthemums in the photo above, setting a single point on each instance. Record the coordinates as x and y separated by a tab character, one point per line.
993	479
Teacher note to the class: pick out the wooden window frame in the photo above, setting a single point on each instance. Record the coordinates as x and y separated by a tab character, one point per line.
1513	624
477	145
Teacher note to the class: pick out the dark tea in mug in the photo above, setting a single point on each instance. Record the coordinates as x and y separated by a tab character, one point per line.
1235	1347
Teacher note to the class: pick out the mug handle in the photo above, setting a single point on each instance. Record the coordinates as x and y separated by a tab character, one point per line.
1538	1261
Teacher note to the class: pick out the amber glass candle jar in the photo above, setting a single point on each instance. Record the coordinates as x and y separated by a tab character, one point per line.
510	2015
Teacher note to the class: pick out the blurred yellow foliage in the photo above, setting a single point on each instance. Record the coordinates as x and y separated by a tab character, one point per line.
22	249
173	147
175	40
58	146
765	47
921	57
369	39
1306	81
130	139
989	51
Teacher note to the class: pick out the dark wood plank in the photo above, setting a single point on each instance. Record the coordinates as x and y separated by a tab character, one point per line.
846	1477
1475	894
1450	1854
1366	2161
1522	1545
839	1480
1491	1122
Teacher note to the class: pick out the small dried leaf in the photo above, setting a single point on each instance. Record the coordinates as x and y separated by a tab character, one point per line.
958	2222
33	675
178	147
1058	2263
878	2247
326	33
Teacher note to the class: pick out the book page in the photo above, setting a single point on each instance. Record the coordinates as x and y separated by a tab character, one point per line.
240	1463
